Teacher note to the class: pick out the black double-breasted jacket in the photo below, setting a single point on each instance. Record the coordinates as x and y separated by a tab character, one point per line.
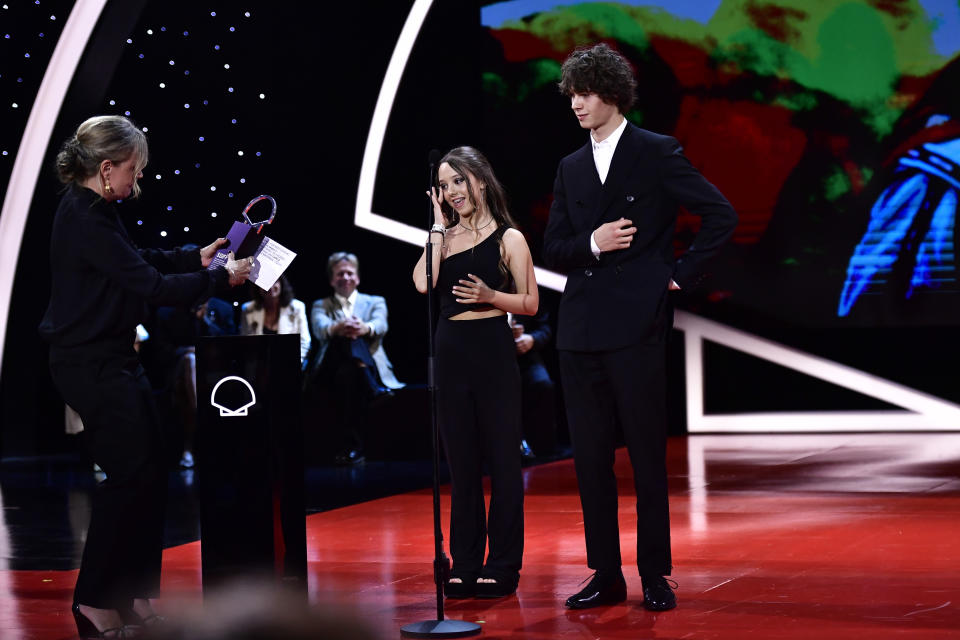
619	299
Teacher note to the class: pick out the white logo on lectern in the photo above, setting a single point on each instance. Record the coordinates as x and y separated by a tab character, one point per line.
227	412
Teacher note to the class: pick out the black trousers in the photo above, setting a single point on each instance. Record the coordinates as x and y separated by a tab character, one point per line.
478	385
122	434
601	388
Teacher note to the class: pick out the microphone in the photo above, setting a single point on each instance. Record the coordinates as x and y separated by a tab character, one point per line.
434	160
435	156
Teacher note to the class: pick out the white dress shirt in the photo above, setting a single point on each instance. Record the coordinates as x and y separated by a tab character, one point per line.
602	157
603	150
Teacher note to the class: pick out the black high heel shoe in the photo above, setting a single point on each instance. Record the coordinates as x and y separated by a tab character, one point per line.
133	619
88	631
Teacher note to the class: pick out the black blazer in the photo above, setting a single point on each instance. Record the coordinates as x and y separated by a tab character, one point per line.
620	299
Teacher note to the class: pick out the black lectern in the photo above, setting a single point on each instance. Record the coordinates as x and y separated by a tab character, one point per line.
249	455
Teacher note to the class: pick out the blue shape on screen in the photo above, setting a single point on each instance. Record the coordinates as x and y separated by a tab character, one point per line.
936	252
944	17
926	178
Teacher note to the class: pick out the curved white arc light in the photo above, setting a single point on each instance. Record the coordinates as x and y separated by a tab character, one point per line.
36	136
363	215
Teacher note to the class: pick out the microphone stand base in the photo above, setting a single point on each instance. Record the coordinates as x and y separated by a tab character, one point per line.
440	629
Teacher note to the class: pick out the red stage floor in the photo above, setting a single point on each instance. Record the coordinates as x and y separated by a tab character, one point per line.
813	536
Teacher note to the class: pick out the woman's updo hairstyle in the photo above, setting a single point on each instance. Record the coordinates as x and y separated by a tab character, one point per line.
101	138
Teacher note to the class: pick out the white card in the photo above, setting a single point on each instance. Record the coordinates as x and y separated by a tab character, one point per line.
270	260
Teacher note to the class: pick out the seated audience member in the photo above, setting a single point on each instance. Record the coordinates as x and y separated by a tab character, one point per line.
173	352
349	327
533	334
276	312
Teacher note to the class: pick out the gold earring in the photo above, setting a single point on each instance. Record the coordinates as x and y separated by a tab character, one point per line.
107	187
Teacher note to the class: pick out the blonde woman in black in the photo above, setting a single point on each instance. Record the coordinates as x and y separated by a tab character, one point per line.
101	284
485	270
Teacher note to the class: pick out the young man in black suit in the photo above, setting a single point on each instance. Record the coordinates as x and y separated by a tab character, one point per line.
611	231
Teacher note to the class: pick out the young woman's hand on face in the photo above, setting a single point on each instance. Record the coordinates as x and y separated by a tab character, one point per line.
438	216
473	291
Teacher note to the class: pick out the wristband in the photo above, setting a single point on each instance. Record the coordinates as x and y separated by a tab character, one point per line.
438	228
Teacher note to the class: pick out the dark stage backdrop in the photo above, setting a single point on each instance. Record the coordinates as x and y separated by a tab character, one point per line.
831	128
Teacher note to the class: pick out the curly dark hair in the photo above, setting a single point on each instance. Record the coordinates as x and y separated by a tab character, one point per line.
600	70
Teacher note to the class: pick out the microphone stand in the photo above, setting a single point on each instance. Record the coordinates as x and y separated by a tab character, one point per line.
439	628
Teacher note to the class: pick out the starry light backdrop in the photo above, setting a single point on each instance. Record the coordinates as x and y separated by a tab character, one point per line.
29	30
193	82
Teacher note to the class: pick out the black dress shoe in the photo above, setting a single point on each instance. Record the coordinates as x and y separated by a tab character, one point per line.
658	593
604	588
349	457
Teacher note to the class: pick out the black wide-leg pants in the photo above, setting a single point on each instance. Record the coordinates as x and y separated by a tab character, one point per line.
122	434
626	385
478	386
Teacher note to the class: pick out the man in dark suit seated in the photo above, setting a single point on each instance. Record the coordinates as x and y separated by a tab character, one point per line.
611	231
532	335
349	327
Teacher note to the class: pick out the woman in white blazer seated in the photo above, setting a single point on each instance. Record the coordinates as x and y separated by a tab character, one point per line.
276	311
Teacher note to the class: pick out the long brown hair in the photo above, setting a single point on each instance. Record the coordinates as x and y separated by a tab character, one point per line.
468	161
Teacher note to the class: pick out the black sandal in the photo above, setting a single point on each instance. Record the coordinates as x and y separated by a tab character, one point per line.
466	588
88	631
501	586
133	619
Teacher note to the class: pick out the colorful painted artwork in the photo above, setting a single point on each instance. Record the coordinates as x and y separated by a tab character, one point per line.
833	127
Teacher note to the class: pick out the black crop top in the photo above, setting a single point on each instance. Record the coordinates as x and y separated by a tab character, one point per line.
483	261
